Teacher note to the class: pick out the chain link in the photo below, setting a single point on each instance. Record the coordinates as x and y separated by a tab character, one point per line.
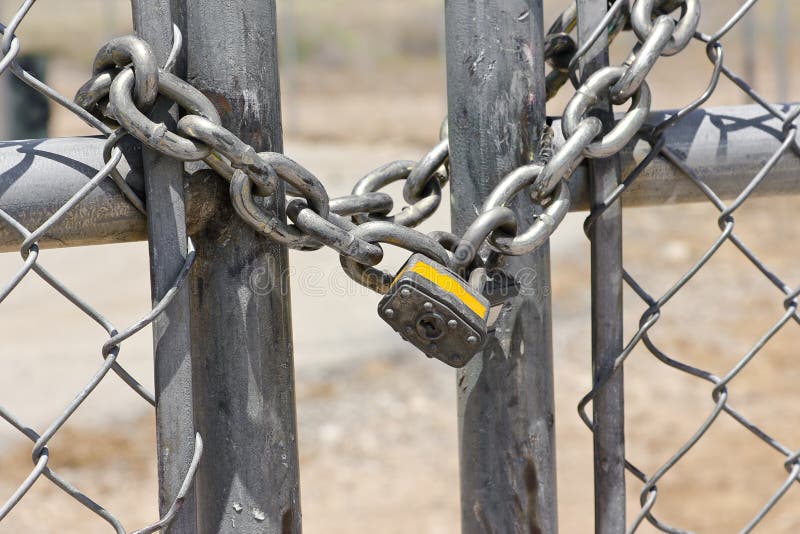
356	225
126	82
626	82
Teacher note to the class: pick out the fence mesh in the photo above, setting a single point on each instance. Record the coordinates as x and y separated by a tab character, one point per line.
656	306
30	266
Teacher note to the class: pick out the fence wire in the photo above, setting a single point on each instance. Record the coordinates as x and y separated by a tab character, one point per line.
110	350
655	305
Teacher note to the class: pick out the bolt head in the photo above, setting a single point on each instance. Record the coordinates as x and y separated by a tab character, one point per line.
405	293
428	306
389	313
472	340
452	324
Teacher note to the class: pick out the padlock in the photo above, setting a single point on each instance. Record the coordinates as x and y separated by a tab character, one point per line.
437	311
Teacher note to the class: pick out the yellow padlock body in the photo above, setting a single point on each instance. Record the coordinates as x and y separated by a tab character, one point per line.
448	283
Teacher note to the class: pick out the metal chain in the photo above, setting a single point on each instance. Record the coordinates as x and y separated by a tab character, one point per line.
114	95
547	178
126	82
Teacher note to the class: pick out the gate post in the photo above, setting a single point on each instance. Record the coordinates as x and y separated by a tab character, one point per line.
605	235
496	113
248	481
166	230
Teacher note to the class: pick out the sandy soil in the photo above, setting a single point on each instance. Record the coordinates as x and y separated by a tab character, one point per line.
377	420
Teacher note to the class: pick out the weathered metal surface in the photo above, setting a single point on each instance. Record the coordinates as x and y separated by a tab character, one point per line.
606	276
496	97
241	323
719	143
39	176
168	246
436	311
726	146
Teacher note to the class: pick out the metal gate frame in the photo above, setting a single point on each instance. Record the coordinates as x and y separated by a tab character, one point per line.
496	86
222	347
242	372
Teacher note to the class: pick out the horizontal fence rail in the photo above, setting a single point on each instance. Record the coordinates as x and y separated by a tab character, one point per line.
727	146
40	176
226	422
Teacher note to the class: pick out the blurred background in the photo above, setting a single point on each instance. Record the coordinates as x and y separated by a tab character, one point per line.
360	87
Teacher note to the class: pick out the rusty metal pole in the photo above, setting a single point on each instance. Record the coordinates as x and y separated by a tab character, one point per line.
496	112
248	481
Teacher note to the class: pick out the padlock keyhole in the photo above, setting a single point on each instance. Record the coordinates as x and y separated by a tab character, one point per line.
431	326
430	329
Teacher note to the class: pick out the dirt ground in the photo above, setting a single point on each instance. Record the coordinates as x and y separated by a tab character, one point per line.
377	420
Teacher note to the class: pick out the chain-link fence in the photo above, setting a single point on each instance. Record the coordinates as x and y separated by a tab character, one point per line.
27	224
235	395
779	120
